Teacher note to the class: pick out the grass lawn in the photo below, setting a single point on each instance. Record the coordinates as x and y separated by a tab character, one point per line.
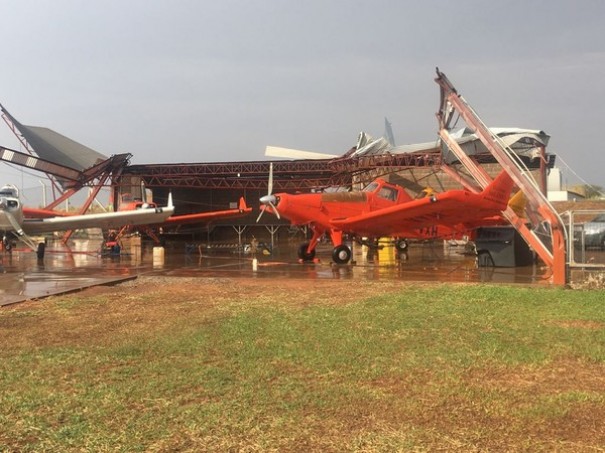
250	365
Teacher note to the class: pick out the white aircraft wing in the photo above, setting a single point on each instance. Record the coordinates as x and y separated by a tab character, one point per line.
288	153
106	220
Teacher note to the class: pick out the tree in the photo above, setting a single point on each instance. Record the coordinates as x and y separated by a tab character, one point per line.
589	191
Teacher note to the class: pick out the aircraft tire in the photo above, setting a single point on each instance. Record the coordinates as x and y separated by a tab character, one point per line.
401	245
302	252
40	251
341	254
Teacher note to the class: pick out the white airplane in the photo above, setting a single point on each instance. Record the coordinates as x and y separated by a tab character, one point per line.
13	222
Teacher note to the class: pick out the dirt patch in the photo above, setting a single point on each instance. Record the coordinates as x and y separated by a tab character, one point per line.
578	324
549	379
103	313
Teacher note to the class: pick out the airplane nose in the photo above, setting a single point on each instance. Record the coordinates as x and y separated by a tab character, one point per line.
268	200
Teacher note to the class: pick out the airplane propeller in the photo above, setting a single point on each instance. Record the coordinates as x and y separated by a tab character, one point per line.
269	199
5	208
18	230
13	222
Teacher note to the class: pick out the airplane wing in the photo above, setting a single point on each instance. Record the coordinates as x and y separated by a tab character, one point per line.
241	211
446	209
34	213
106	220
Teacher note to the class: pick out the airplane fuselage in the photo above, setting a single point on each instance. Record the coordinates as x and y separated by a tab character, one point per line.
14	220
10	209
321	209
384	209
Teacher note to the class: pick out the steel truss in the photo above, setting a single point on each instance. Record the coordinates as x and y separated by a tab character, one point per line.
543	230
287	175
239	175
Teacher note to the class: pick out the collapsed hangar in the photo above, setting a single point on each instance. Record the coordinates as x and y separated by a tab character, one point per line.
212	186
539	224
202	186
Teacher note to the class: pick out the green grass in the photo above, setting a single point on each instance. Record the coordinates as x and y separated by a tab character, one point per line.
454	368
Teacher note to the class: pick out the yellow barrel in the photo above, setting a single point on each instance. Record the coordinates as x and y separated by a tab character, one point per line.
386	252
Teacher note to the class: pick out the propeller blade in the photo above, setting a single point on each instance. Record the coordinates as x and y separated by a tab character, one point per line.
275	210
269	199
14	223
270	184
19	231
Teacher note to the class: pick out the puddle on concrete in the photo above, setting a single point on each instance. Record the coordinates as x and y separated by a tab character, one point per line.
63	269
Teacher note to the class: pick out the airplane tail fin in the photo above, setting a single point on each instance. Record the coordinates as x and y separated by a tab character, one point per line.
498	191
170	205
242	204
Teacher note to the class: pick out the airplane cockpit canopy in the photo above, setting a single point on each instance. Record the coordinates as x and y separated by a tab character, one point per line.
9	191
371	187
388	193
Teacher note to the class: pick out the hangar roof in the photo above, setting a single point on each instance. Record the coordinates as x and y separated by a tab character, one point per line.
57	148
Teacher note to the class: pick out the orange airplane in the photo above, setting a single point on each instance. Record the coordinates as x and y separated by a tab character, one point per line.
387	210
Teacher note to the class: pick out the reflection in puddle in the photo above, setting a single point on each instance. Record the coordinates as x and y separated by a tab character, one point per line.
22	276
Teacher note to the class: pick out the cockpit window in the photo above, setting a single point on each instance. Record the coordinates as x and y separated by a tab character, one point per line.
388	193
370	187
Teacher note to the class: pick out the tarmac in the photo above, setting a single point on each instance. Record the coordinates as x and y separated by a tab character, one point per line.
67	269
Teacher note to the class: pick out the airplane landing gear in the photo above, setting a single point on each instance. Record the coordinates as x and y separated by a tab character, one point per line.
40	250
401	245
6	244
303	254
341	254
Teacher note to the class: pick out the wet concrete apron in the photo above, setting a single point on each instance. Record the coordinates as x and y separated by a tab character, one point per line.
24	277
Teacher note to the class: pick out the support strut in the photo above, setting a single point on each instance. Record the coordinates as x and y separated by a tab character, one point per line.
540	211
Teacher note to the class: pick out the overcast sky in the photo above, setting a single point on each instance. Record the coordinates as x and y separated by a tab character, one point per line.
203	81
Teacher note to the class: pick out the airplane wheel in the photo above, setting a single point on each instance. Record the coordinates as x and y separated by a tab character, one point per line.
341	254
302	252
40	251
401	245
7	245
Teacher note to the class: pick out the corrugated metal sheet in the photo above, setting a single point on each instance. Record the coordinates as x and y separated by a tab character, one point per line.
57	148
